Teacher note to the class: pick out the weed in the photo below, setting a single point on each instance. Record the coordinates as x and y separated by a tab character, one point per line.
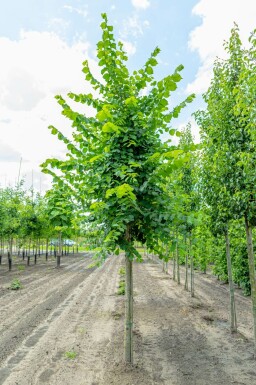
21	267
15	284
121	271
121	288
70	355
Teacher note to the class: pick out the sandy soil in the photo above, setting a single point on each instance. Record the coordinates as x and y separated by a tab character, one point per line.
178	340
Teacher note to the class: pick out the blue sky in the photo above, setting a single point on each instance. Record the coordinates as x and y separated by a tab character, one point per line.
43	43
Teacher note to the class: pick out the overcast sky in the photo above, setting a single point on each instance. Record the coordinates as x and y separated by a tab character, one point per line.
43	44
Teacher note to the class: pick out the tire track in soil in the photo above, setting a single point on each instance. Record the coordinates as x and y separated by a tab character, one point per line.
89	309
27	326
180	346
218	299
173	345
11	312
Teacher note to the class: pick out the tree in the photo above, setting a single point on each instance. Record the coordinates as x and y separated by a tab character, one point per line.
60	210
245	114
113	165
229	135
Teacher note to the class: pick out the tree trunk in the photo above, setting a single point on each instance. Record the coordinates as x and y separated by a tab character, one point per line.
177	262
186	266
192	287
129	305
10	254
129	311
251	260
46	249
174	268
233	322
59	249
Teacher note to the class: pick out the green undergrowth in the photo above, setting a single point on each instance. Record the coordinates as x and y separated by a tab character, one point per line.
121	286
71	355
15	284
21	267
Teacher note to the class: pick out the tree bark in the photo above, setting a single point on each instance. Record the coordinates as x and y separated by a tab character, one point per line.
46	251
177	261
174	268
186	266
192	283
129	311
10	254
251	261
59	250
129	305
233	321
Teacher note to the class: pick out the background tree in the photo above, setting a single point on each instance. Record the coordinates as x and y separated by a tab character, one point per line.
230	149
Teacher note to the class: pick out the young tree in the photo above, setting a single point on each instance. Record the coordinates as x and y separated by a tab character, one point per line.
245	115
229	129
60	210
113	161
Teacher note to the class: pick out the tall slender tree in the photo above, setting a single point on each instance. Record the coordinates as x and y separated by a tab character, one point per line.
113	165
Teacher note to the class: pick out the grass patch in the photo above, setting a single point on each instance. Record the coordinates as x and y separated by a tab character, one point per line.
121	288
21	267
70	355
15	284
121	271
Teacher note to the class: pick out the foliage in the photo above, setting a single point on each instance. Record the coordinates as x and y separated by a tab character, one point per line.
15	284
116	162
71	355
121	287
21	267
121	271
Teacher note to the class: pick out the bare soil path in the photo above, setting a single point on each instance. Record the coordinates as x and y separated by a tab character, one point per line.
178	340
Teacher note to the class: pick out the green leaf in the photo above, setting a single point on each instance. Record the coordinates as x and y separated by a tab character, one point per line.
110	128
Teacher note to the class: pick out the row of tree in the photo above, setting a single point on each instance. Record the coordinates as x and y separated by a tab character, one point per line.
29	221
181	201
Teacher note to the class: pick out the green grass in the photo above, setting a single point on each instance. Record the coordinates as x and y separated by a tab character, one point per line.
15	284
121	287
121	271
21	267
70	355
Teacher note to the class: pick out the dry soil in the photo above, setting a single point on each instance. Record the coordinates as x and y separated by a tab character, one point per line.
66	327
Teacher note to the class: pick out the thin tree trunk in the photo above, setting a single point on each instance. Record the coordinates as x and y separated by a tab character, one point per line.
186	265
60	250
251	261
129	306
174	267
192	287
177	261
129	311
10	254
233	322
46	249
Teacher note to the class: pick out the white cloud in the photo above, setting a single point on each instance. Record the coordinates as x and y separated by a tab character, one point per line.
218	18
129	47
80	11
133	26
33	69
141	4
8	154
58	25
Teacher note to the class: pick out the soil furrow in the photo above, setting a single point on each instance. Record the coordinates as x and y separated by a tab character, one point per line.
27	323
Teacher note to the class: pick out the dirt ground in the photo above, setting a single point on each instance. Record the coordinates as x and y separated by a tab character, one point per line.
75	312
